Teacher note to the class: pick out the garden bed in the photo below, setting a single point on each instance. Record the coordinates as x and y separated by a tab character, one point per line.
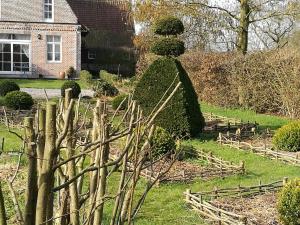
240	205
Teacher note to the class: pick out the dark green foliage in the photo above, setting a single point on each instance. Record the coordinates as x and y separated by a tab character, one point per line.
2	101
182	116
76	90
7	86
161	143
168	46
71	72
186	152
287	138
168	26
103	88
289	203
116	102
18	100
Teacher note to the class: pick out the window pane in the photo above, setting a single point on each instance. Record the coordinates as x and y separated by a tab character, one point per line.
57	56
49	48
25	58
50	57
57	48
17	58
7	57
57	38
17	48
7	66
6	48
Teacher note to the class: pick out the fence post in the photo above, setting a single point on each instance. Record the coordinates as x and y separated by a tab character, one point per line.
242	165
188	195
285	181
220	137
2	144
216	192
259	186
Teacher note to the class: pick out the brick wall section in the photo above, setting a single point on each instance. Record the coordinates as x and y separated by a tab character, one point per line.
71	45
33	11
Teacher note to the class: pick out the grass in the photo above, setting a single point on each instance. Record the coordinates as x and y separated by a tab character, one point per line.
165	205
265	121
44	83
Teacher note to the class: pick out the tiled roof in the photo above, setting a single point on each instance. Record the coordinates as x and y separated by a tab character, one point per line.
109	15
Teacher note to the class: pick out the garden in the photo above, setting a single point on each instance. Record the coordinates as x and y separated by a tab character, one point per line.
144	151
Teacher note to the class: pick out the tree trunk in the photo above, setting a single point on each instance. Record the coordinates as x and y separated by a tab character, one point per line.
46	178
74	202
41	138
2	208
32	189
244	23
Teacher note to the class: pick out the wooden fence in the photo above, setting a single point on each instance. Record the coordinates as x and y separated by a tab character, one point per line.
202	202
14	118
216	167
221	123
263	150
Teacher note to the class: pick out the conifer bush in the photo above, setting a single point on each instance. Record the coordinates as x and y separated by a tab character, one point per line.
288	204
287	138
162	143
76	90
168	46
168	25
182	116
116	102
7	86
18	100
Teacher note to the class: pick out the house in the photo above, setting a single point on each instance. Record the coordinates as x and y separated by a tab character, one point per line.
43	38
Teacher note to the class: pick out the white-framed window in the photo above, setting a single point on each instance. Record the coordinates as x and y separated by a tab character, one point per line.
91	55
54	50
48	10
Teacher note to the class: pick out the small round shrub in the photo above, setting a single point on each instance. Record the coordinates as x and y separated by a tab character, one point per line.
169	26
103	88
18	100
76	90
116	102
86	76
168	46
162	143
71	72
7	86
186	152
287	138
288	204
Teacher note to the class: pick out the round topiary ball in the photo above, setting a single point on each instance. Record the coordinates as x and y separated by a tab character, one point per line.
116	102
18	100
162	143
168	26
287	138
168	47
7	86
288	205
76	90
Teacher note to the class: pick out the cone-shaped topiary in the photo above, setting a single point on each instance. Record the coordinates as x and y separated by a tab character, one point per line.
182	116
168	25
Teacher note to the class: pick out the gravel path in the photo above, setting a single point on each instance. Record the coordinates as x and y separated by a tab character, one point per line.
52	93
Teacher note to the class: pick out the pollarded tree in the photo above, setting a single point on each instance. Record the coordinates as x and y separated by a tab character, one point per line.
182	116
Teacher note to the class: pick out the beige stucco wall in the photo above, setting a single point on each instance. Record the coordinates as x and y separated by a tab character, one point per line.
33	11
71	46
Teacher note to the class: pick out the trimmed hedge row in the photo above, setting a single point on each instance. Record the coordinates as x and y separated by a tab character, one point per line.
18	100
7	86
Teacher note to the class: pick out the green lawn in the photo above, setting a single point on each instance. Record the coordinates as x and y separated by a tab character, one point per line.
165	206
43	83
265	121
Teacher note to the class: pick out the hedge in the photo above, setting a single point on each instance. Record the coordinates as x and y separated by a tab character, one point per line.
76	90
182	116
